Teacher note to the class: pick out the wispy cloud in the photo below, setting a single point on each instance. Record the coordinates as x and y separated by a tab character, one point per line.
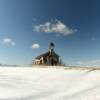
79	62
54	26
96	61
91	63
93	38
8	42
35	46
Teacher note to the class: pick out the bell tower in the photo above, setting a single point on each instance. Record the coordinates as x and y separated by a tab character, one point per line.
51	47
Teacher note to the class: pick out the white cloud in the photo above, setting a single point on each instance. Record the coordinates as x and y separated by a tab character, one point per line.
54	26
35	46
8	41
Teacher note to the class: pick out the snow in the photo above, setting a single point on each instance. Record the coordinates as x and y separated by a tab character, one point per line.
31	83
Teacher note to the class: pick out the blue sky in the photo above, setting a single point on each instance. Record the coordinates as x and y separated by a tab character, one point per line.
28	26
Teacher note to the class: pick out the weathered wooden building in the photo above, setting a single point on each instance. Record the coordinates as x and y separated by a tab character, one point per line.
48	58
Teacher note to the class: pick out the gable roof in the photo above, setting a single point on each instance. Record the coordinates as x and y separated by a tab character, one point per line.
46	54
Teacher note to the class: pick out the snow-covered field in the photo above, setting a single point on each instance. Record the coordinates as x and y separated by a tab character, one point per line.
27	83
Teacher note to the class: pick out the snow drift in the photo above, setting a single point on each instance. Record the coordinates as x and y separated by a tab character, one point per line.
26	83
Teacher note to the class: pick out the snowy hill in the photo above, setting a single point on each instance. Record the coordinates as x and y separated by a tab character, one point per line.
26	83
